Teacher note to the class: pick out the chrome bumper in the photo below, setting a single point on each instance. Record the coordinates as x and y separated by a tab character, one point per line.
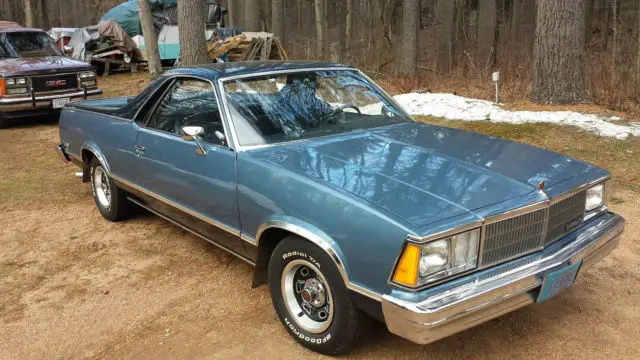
468	301
8	104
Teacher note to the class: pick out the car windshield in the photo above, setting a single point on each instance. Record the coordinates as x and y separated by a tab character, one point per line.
292	106
30	43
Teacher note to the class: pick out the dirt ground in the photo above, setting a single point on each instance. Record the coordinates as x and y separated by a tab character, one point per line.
74	286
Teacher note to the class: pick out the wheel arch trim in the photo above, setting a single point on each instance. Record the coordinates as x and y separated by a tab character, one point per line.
322	240
95	150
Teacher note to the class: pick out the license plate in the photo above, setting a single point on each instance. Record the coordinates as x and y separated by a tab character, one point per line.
60	103
558	280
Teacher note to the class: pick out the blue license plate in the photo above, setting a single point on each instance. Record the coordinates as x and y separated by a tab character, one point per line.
558	280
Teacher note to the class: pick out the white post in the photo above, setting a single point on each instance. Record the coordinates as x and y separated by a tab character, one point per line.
496	79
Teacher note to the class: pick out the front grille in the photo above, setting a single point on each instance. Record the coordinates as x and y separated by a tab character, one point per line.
54	82
565	216
522	234
509	238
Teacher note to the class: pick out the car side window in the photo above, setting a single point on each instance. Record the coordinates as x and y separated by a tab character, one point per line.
188	103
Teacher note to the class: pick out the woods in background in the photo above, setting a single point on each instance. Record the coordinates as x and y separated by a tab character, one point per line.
457	43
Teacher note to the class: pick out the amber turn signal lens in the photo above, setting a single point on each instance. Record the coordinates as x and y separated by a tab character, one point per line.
407	270
3	89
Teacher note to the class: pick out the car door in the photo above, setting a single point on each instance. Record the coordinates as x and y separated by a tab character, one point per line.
195	189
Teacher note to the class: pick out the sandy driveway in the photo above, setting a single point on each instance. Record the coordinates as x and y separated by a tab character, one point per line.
73	285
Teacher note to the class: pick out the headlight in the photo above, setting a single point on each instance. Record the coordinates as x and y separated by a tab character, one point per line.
87	74
10	81
16	82
13	91
422	264
595	197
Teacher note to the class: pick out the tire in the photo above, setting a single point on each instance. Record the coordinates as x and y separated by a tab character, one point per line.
4	123
296	268
110	200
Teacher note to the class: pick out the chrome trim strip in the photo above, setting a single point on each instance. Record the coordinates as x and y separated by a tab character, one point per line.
442	234
578	189
8	100
364	291
183	208
250	239
248	261
73	108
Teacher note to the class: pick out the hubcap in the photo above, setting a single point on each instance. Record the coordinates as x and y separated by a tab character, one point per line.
101	186
307	296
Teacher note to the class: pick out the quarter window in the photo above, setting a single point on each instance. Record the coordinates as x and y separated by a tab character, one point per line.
188	103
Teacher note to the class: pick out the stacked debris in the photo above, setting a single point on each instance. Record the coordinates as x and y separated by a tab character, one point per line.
247	46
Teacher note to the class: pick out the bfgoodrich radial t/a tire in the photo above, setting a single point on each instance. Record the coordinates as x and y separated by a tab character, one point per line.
311	298
110	200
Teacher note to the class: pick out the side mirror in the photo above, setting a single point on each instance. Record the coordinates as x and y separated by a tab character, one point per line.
191	133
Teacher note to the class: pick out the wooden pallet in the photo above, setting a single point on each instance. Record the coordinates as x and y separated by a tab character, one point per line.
248	47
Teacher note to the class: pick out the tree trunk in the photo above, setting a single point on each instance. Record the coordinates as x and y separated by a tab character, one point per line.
488	18
28	14
446	17
231	10
614	53
408	61
348	28
319	8
559	53
193	45
252	15
638	55
515	19
277	19
150	38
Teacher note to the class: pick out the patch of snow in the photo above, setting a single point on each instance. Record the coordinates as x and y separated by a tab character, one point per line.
455	107
615	118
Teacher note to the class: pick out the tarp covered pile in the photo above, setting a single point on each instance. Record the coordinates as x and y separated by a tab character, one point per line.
101	38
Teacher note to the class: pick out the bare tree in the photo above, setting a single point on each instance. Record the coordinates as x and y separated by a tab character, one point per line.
408	62
150	38
319	11
559	53
28	14
348	28
252	15
446	18
487	19
277	18
191	28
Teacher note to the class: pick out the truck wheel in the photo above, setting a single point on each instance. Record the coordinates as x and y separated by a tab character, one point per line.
110	200
311	298
4	123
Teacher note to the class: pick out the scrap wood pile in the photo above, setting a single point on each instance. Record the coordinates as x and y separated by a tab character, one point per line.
246	47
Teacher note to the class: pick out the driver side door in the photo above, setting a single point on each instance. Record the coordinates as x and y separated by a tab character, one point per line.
196	190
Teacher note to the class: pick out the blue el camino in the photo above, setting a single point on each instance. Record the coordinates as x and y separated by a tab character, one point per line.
347	208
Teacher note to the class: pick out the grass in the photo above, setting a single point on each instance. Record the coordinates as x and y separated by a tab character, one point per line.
620	157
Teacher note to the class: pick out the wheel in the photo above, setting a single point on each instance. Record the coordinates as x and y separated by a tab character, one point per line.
4	123
110	200
311	298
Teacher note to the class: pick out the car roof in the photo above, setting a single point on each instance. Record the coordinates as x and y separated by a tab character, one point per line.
220	70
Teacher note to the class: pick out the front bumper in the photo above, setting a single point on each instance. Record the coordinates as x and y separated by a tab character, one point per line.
26	104
449	308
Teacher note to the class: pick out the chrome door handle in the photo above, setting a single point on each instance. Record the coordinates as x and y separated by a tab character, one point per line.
139	149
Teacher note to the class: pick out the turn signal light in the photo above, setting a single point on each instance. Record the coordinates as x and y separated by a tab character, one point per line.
407	269
3	87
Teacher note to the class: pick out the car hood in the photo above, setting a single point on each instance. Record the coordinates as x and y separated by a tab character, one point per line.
40	65
424	173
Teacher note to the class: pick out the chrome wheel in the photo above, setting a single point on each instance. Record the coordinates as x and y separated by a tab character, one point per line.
307	296
101	186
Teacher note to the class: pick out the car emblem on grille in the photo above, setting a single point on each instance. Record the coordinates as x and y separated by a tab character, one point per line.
573	224
52	83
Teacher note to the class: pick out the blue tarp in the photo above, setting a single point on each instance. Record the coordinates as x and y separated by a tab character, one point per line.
126	14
